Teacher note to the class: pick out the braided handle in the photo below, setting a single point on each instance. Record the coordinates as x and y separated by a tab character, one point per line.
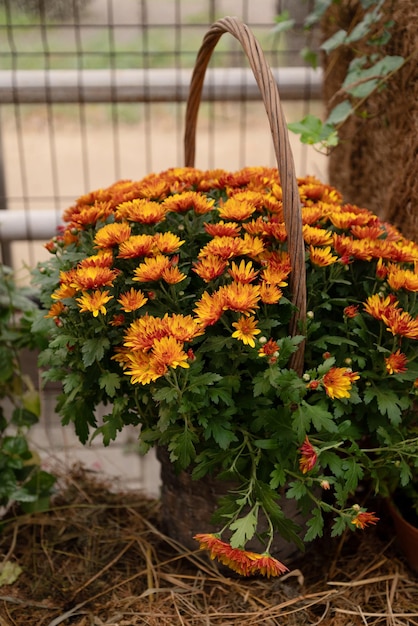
284	157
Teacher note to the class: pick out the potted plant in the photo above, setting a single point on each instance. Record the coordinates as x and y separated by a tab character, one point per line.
171	300
22	479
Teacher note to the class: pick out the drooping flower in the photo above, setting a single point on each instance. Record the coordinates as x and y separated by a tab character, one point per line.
363	519
246	330
241	561
94	302
338	382
308	457
396	362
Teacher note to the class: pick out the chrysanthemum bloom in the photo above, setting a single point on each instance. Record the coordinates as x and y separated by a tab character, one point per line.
240	297
322	256
210	267
132	300
167	243
351	310
241	561
111	235
94	302
237	210
56	309
396	362
142	211
224	247
270	348
136	246
338	381
92	277
246	330
270	294
209	308
243	273
223	229
151	269
308	457
189	200
317	236
363	519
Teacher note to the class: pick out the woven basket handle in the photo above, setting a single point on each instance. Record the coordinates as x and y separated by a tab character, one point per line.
285	163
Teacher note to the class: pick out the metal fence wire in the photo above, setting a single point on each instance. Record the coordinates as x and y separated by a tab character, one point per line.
92	91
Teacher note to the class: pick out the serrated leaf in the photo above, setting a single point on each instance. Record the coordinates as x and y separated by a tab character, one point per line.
297	490
338	527
315	525
243	529
110	382
222	435
94	349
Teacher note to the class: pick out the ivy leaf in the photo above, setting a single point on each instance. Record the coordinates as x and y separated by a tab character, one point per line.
340	113
283	22
315	525
244	529
334	41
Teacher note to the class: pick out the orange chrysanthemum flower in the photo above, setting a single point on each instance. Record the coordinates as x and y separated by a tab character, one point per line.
167	243
351	310
338	382
168	352
142	211
396	363
270	294
240	561
399	278
209	308
136	246
243	273
172	275
112	234
237	210
94	302
210	267
151	269
132	300
189	200
363	519
223	229
308	457
317	236
270	348
224	247
240	297
246	330
56	309
92	277
322	256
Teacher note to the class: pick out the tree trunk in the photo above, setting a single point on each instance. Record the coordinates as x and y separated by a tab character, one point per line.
376	163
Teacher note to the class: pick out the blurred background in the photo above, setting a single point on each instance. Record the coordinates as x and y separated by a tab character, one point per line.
92	91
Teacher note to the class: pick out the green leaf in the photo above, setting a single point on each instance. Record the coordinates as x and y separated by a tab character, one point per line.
338	527
360	82
23	417
182	448
244	529
317	12
221	434
315	525
310	57
340	113
110	382
313	131
297	490
352	474
387	401
278	478
283	22
94	349
334	41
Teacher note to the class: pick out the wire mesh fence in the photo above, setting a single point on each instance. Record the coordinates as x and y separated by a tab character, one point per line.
93	91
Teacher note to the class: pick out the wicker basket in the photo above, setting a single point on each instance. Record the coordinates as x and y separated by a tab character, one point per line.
187	505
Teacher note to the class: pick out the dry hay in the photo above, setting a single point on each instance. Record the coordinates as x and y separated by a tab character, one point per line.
97	558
